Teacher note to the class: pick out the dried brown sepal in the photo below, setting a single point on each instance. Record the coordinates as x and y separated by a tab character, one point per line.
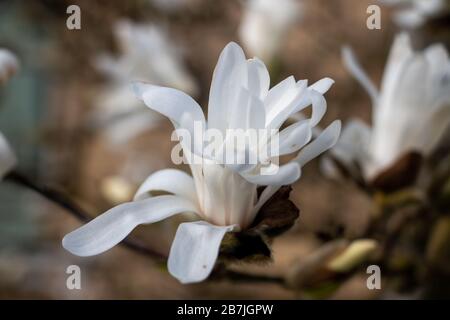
276	216
401	174
245	247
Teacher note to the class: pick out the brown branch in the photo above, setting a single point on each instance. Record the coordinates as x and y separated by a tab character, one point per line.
131	243
63	201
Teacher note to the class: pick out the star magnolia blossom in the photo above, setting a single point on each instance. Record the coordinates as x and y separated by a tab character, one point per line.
411	113
265	24
223	196
414	13
147	54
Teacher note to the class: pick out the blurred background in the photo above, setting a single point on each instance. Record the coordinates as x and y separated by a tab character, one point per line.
74	125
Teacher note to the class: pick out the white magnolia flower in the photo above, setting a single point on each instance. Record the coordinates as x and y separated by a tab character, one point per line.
8	65
414	13
223	196
265	24
147	54
410	114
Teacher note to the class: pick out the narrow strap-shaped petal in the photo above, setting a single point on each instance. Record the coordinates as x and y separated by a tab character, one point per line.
170	180
111	227
278	93
292	138
248	112
399	56
258	78
274	174
358	72
7	157
180	108
170	102
323	142
437	57
409	18
231	58
195	250
322	86
319	107
300	102
294	100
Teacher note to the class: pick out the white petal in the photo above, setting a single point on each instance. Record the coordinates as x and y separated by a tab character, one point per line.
400	53
358	72
437	57
412	90
279	92
258	78
292	101
231	60
409	18
111	227
7	157
319	107
353	143
275	175
323	142
194	251
432	135
171	103
294	137
170	180
226	196
180	108
323	85
248	112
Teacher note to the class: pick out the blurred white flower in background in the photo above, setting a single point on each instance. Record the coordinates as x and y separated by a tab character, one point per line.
223	196
414	13
265	24
147	54
8	65
410	114
7	157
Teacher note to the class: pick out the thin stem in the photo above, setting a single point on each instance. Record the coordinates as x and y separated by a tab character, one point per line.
63	201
